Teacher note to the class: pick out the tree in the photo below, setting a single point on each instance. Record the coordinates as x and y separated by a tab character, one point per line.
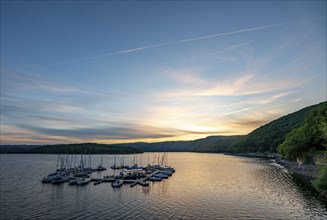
311	135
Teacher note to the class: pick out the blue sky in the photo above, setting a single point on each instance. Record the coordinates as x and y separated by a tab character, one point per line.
112	72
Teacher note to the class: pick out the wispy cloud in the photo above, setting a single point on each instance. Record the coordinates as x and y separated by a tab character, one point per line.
237	111
184	76
204	37
218	89
249	122
246	84
296	100
13	81
33	133
250	29
22	81
123	52
232	47
274	98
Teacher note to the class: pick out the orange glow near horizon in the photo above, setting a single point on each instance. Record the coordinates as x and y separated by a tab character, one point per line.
156	74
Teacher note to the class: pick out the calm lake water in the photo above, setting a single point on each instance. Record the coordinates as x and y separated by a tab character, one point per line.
205	186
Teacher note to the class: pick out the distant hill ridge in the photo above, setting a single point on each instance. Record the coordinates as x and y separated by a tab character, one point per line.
263	139
85	148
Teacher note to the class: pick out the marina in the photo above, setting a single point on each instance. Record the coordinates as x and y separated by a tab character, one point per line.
68	171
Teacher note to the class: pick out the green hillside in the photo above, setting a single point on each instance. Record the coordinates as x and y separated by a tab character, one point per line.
267	137
311	136
211	144
216	144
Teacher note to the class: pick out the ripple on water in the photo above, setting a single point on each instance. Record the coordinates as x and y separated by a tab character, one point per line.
205	186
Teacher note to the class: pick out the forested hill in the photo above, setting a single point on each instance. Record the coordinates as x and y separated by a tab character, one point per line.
268	137
211	144
88	148
308	138
216	144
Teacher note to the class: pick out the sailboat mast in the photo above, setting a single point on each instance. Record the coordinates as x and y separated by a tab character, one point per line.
58	162
148	158
141	160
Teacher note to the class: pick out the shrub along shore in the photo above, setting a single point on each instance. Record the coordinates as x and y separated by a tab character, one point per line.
316	174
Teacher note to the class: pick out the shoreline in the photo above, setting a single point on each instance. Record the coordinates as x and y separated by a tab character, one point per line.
255	155
308	172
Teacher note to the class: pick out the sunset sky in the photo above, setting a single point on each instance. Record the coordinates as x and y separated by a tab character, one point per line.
112	72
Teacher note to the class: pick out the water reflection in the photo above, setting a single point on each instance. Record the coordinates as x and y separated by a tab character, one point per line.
205	186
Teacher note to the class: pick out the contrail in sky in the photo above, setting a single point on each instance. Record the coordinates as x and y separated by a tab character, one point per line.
194	39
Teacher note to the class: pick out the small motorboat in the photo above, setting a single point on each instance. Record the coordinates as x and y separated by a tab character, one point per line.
166	172
49	178
162	176
155	179
117	183
83	180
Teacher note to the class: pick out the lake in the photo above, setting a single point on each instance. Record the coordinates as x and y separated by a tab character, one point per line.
204	186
